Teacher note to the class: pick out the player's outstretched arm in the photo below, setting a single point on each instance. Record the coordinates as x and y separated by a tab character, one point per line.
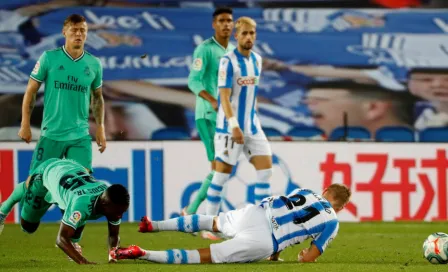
309	255
114	238
27	108
63	242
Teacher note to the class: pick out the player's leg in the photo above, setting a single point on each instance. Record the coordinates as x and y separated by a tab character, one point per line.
45	149
206	130
252	242
258	152
34	204
15	197
172	256
227	153
189	224
80	150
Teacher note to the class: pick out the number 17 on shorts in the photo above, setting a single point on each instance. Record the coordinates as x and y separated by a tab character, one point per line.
226	150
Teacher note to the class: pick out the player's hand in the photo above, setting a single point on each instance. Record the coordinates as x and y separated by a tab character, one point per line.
25	133
275	257
215	105
237	135
101	138
302	254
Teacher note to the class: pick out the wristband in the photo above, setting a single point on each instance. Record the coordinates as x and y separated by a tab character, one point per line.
233	123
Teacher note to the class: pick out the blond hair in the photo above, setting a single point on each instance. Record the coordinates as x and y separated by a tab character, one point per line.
340	193
244	21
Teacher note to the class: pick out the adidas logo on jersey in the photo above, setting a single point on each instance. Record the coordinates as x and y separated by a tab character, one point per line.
246	81
61	68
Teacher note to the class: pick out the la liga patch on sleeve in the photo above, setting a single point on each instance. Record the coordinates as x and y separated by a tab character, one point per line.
197	64
75	217
36	67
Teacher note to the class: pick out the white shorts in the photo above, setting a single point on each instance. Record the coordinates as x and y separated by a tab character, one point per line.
228	151
252	236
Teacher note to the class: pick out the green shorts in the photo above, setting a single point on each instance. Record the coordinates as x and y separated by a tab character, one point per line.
79	150
34	205
206	129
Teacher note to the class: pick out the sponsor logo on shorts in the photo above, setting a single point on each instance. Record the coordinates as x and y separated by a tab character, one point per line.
247	81
75	217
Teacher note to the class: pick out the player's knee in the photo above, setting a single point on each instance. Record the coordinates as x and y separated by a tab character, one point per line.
265	174
28	227
223	167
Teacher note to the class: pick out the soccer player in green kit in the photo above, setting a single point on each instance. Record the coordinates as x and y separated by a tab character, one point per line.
202	81
69	185
72	77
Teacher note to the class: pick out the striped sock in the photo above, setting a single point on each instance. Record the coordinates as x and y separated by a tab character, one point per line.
214	193
173	256
189	223
262	187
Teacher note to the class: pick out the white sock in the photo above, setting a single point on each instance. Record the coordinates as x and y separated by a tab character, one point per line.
214	193
173	256
262	187
189	223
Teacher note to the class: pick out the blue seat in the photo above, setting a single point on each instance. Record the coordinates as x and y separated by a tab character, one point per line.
395	134
170	133
434	135
272	133
305	132
353	133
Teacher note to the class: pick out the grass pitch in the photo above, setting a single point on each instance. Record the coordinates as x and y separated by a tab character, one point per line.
362	247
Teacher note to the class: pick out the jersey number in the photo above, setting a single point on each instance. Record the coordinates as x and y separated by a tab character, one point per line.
227	141
71	182
299	200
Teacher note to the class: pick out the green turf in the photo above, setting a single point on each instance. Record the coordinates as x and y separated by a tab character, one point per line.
358	247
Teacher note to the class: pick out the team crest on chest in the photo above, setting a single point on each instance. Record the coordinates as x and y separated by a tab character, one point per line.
87	71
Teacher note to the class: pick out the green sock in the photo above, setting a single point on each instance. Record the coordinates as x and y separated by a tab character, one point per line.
15	197
202	194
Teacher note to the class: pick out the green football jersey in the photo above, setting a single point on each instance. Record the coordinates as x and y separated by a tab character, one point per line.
68	85
73	190
204	75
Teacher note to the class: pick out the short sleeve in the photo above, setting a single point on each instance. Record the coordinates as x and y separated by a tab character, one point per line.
98	81
225	74
75	216
39	72
327	235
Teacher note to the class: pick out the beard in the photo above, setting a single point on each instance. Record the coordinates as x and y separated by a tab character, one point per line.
248	46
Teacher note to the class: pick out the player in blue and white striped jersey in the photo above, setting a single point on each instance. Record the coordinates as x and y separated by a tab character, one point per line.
256	232
238	128
299	216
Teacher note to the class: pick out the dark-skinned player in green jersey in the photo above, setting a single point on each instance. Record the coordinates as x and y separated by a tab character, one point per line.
203	81
70	186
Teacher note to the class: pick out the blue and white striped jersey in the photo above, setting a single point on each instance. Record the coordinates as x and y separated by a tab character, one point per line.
301	215
242	75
